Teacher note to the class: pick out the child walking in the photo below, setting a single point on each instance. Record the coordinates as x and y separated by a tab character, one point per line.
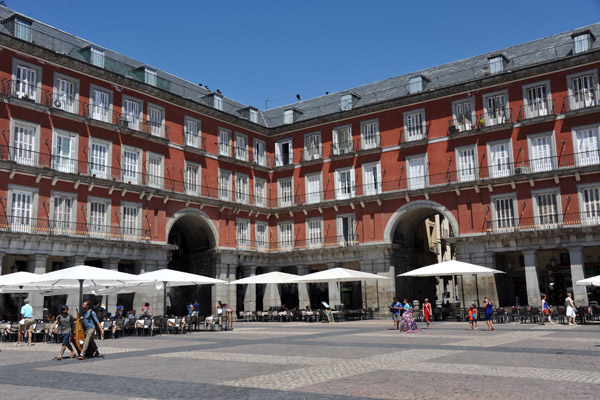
472	317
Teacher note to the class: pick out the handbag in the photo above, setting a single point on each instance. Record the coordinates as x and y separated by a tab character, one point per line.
547	311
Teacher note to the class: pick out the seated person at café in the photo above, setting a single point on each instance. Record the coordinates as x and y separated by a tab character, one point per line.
146	310
211	318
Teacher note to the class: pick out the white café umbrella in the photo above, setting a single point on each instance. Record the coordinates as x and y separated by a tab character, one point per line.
452	268
172	278
19	282
269	277
593	281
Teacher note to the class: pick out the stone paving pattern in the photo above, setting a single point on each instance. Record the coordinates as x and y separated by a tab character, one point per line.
350	360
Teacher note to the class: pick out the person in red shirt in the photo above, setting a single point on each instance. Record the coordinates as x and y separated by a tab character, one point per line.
427	313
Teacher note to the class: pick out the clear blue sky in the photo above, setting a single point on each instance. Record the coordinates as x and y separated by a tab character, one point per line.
258	50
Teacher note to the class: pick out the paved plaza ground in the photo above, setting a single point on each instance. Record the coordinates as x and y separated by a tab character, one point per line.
362	359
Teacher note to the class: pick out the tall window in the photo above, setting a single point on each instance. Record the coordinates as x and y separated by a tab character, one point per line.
98	220
344	183
192	179
496	65
192	132
62	215
286	235
312	146
286	192
21	211
414	126
24	145
98	159
218	102
100	105
588	147
369	131
547	210
504	212
130	166
150	76
241	147
155	120
313	188
130	223
283	153
260	192
260	153
541	156
537	100
467	164
64	95
417	172
499	160
346	230
314	235
26	82
463	115
242	232
97	57
590	204
342	140
583	90
64	152
583	42
225	185
371	179
155	170
241	188
415	85
288	117
22	29
254	116
131	114
496	111
261	234
346	102
224	142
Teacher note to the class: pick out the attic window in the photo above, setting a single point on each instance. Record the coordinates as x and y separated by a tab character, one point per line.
346	103
496	65
415	85
288	117
97	57
583	42
150	76
22	29
218	102
253	116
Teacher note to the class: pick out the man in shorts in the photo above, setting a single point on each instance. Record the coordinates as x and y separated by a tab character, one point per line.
395	309
28	322
64	324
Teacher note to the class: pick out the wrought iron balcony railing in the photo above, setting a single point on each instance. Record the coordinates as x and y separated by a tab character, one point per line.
347	240
589	218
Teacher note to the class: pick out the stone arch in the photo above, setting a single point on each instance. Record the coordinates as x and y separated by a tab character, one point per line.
187	217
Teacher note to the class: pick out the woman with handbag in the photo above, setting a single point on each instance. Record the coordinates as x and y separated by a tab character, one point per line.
546	311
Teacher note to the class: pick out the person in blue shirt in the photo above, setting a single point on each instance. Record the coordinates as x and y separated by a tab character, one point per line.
395	309
28	322
90	321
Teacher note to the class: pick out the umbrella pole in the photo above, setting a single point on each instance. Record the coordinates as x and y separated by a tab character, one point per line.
80	292
477	289
462	286
165	298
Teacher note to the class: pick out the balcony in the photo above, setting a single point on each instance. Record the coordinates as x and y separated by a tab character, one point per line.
413	135
582	101
146	127
48	227
194	141
368	144
311	156
537	111
498	118
344	149
544	223
315	243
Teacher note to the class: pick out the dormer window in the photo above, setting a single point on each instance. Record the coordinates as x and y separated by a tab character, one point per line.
253	116
415	84
22	29
496	65
97	57
583	42
218	102
346	103
288	117
150	76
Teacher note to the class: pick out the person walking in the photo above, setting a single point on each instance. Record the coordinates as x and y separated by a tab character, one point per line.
427	312
26	322
90	321
546	311
571	313
65	325
407	323
395	309
489	310
472	317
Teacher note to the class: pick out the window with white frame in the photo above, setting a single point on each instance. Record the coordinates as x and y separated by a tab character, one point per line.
284	154
21	210
260	192
466	163
242	232
65	93
24	143
504	211
496	65
345	186
541	152
260	153
312	146
154	170
98	217
192	179
314	232
342	140
26	79
495	108
371	178
537	100
583	89
346	102
587	146
101	100
414	125
313	188
261	234
499	161
415	85
192	132
64	151
582	42
286	235
218	102
224	142
97	57
156	120
150	76
63	206
417	172
286	192
131	216
99	164
346	230
225	185
369	132
130	165
22	29
547	207
241	147
241	188
288	117
464	115
131	116
253	116
589	204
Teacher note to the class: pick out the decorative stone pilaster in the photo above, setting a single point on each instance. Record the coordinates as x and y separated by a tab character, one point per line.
303	296
579	292
250	296
334	289
224	292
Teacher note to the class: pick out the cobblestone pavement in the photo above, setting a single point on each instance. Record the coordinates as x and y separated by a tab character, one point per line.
349	360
